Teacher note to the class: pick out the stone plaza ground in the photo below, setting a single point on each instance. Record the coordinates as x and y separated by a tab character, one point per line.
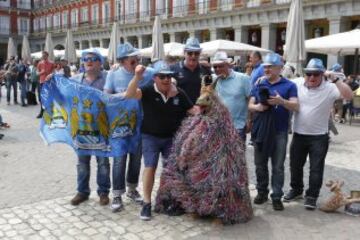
38	181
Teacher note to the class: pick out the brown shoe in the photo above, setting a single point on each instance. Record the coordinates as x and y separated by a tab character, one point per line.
104	200
79	198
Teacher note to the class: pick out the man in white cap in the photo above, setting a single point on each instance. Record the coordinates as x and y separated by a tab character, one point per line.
117	82
311	137
189	73
233	89
94	77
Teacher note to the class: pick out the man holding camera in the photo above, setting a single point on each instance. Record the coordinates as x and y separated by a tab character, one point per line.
311	138
281	98
233	89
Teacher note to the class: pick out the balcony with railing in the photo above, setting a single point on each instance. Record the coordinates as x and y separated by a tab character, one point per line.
202	7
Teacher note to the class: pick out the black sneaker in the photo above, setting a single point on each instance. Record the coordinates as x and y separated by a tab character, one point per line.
310	203
145	213
260	199
277	205
117	204
292	195
135	196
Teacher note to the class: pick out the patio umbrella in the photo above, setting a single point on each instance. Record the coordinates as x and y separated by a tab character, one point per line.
25	50
157	41
294	51
70	53
49	46
346	43
170	49
114	42
230	47
11	50
336	44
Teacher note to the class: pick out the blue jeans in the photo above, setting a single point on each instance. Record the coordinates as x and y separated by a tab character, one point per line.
152	147
11	83
133	171
277	166
316	148
102	176
23	88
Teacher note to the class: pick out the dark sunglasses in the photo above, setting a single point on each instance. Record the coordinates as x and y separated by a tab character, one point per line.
164	76
193	53
312	74
218	66
90	59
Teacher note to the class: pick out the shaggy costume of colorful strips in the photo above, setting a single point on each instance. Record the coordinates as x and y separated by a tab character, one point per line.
206	172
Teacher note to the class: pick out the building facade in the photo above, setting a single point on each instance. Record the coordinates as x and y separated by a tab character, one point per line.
257	22
15	20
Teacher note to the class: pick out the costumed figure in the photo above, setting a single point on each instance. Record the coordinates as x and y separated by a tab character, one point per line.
206	171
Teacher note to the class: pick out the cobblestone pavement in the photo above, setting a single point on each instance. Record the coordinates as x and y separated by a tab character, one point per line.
37	183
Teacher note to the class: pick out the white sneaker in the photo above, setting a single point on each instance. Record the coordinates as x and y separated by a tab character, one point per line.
117	204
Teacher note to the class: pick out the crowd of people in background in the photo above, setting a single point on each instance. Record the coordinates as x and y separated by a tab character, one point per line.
263	95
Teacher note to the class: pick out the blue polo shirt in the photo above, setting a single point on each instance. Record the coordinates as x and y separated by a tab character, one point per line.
117	81
98	83
287	90
256	73
234	92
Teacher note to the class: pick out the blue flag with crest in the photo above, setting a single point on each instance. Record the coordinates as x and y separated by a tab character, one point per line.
90	121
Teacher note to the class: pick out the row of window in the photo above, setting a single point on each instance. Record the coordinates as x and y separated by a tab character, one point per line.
61	19
23	25
24	4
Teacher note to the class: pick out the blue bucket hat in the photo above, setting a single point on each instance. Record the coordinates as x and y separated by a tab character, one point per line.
162	67
126	50
192	45
315	65
336	67
273	59
93	51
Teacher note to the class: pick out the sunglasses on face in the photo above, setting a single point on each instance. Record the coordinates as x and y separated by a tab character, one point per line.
90	59
164	76
218	66
193	53
312	74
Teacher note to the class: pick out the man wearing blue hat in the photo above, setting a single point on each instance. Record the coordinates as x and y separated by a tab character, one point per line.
233	89
165	106
94	77
189	73
272	97
117	82
316	98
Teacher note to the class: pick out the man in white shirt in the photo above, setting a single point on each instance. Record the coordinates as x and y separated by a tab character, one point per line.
316	98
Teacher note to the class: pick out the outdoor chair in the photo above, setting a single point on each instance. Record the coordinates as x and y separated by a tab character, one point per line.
355	108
